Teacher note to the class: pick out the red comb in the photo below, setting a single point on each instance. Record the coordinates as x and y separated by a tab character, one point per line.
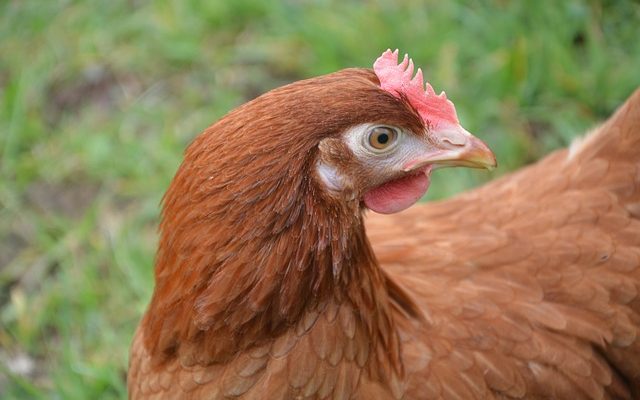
397	79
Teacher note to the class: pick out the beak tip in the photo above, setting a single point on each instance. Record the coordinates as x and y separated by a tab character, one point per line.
493	164
483	155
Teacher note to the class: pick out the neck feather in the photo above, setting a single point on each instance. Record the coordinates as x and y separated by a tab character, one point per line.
236	273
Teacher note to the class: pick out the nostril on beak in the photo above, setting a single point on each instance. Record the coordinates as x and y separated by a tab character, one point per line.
453	138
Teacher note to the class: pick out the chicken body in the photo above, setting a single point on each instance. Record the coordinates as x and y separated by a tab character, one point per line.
528	285
268	288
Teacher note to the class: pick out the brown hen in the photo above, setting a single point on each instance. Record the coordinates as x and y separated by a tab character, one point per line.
267	286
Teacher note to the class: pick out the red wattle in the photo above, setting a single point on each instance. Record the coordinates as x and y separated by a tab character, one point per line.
397	195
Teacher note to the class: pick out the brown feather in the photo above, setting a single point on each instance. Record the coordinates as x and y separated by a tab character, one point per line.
267	286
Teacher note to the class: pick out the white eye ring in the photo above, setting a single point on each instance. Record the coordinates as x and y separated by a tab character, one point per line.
381	139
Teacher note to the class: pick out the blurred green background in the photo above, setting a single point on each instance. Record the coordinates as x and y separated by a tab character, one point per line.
98	99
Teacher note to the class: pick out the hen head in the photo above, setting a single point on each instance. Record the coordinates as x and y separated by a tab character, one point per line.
387	160
363	137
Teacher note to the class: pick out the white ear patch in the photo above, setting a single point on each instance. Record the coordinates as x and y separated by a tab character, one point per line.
330	176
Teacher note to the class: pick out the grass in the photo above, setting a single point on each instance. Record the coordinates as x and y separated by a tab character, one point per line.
99	99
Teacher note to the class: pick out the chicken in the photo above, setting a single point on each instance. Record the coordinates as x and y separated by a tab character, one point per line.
271	285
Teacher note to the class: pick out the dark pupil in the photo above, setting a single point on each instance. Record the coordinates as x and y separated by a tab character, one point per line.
383	138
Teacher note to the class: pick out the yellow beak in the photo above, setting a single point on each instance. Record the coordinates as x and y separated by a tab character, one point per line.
455	147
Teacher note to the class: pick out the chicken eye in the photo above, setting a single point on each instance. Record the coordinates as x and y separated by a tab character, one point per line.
381	137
